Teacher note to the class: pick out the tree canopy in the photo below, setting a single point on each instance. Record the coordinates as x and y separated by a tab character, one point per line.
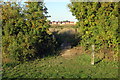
98	24
25	31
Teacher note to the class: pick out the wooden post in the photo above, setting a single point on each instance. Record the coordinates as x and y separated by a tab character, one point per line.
92	55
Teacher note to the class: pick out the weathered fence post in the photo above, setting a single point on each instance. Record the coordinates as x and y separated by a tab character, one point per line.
92	55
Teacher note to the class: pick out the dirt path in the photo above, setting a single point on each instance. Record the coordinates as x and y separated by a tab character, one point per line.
67	39
71	52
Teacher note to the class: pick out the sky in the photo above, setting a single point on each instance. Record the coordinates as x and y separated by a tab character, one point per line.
59	11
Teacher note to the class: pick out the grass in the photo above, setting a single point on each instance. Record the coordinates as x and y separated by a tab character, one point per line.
63	26
59	67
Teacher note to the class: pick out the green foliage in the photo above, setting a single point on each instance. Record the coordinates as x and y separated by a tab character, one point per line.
98	24
35	13
25	34
59	67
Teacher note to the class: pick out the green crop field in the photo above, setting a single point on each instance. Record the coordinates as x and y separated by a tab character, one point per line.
60	67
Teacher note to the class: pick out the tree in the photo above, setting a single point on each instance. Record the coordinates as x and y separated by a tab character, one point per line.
35	14
98	24
25	33
10	15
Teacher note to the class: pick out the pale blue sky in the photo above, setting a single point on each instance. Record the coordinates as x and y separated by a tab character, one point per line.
59	11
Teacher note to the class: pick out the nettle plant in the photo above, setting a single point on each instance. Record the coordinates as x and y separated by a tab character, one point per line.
98	24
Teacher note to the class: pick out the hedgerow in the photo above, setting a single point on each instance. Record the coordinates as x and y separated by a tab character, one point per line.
98	24
25	31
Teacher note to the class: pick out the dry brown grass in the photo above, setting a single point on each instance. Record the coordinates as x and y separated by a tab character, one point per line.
6	60
72	52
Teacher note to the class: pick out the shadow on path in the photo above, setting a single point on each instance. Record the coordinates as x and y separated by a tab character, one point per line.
66	38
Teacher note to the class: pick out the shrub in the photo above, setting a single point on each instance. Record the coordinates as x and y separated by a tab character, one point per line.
98	24
25	35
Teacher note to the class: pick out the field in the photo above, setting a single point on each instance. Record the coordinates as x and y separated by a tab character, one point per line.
60	67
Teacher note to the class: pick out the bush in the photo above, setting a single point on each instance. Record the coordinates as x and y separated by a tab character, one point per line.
30	46
98	24
25	36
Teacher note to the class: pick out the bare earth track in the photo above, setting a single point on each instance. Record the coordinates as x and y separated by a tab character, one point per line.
71	52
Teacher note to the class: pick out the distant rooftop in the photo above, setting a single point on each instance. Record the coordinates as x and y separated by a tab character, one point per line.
62	22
